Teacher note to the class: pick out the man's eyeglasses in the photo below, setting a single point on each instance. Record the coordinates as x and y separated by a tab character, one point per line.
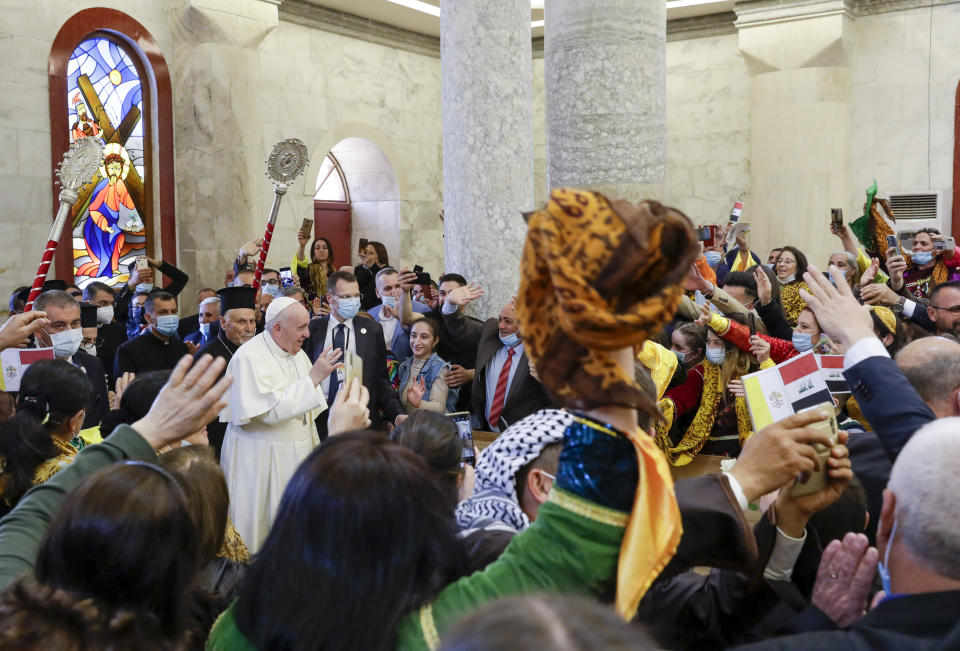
954	310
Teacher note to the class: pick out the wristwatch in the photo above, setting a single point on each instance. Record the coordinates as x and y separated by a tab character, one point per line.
898	306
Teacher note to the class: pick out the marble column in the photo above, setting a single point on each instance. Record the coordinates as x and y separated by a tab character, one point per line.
798	55
219	150
605	78
487	105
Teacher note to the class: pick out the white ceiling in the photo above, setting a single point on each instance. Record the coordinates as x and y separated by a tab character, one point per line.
423	23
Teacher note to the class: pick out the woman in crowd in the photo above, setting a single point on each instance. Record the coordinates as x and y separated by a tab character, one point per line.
420	382
135	400
688	342
373	258
928	266
790	267
313	273
223	554
846	262
435	438
807	335
721	422
35	442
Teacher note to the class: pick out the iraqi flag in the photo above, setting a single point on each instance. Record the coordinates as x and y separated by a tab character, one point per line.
803	383
831	367
735	213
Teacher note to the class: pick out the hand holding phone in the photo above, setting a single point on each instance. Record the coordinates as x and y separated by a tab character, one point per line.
817	480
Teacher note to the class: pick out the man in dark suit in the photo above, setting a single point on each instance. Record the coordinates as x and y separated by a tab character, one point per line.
918	543
65	334
190	324
158	348
207	320
504	388
345	330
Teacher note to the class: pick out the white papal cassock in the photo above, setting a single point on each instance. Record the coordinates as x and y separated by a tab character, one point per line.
270	413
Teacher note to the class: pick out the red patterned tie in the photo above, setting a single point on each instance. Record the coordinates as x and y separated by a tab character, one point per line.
499	397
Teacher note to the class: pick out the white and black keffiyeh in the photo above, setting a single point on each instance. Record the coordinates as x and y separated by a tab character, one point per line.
494	499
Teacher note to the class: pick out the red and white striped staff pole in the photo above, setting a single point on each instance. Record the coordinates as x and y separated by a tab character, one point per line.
279	189
67	198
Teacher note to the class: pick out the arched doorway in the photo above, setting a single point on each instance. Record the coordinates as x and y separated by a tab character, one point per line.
357	197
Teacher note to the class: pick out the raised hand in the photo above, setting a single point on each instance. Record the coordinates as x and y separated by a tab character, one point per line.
122	383
838	312
896	266
794	511
704	317
407	279
736	389
191	347
350	410
326	363
189	400
465	294
845	578
871	273
416	392
302	239
16	332
764	289
760	348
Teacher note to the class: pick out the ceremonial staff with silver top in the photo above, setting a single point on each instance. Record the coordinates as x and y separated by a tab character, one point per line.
287	161
79	164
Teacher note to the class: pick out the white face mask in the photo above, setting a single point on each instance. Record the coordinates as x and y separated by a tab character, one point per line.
67	343
105	314
90	349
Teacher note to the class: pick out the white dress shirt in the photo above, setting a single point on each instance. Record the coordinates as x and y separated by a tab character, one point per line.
349	339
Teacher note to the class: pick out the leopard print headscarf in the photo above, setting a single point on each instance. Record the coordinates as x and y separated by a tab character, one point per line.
597	276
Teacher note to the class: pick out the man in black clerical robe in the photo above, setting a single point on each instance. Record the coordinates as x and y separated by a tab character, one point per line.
238	325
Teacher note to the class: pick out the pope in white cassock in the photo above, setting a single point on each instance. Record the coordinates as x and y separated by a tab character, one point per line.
272	403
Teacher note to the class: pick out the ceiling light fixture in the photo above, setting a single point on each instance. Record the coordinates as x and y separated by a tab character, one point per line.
417	5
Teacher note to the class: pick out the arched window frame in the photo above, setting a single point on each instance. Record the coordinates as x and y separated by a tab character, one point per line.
343	181
157	115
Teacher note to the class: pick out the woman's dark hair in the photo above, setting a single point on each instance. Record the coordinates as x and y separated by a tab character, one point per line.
382	258
205	487
772	277
545	621
136	400
51	389
801	260
430	323
123	549
435	438
364	535
329	249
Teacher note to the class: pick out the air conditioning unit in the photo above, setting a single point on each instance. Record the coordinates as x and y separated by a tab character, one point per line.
922	209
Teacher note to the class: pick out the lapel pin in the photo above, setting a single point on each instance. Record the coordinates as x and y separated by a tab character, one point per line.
363	331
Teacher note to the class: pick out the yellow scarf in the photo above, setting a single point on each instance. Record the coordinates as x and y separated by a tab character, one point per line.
699	430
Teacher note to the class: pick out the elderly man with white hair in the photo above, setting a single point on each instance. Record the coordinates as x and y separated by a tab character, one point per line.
271	407
918	547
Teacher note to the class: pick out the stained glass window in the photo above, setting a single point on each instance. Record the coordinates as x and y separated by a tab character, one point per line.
105	101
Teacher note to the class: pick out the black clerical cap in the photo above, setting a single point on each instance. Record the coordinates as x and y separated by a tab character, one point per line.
88	315
232	298
54	284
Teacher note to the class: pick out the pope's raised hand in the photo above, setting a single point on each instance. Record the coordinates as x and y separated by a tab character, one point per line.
325	365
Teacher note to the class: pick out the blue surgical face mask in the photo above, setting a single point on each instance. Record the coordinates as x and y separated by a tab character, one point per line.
681	356
510	340
348	307
389	301
882	567
66	343
133	321
271	289
922	257
205	329
716	355
713	257
167	324
802	341
144	288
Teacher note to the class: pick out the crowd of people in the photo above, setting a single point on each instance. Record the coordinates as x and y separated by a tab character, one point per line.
289	467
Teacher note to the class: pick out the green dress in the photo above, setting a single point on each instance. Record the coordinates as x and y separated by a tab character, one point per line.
572	547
